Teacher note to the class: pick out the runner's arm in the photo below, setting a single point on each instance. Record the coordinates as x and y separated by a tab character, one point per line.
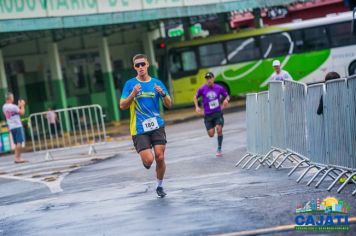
167	101
162	90
125	103
195	99
128	96
21	105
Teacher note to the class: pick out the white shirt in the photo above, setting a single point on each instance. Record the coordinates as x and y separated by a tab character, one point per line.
283	75
51	117
11	112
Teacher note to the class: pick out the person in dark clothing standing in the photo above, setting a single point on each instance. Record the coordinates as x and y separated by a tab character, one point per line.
329	76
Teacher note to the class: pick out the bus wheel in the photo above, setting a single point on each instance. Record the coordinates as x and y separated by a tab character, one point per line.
352	68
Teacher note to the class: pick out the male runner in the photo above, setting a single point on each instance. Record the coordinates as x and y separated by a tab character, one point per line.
213	116
142	94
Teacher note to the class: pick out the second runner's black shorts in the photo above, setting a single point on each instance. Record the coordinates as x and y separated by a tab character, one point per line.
213	119
149	139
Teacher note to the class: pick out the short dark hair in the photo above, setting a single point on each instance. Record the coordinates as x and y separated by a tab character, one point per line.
139	56
332	75
209	75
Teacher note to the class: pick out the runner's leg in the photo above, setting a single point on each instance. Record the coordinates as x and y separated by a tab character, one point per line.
146	157
211	132
160	163
219	131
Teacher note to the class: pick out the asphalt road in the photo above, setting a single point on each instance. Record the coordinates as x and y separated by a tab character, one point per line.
206	195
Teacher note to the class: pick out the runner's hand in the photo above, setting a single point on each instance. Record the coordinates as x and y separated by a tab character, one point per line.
136	89
198	110
159	90
225	103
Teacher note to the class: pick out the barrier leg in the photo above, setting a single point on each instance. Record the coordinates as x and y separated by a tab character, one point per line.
257	159
283	160
242	159
254	156
337	179
346	182
48	156
334	173
295	168
91	150
316	175
323	177
354	193
305	172
267	155
275	159
265	158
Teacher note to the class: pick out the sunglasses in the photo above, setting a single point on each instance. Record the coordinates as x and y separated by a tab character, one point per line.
209	77
141	64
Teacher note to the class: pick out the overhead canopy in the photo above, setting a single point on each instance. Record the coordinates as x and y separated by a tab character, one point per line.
28	15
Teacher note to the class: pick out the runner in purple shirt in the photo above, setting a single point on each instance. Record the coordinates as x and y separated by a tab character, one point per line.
213	116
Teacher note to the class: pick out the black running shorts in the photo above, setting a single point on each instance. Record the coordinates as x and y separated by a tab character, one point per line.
149	139
213	119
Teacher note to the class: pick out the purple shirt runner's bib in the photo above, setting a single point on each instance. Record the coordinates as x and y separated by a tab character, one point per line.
211	97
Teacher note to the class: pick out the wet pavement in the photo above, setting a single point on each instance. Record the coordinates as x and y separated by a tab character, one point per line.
206	195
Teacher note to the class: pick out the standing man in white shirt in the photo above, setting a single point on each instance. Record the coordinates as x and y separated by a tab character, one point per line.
52	120
279	74
12	113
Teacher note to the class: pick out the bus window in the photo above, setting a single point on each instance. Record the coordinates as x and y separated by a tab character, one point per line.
275	45
189	61
212	55
182	63
175	63
298	40
242	50
315	39
340	34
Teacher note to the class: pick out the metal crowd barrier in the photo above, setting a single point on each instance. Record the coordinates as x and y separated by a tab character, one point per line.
288	128
288	107
295	116
339	120
277	123
258	139
251	120
315	130
74	127
351	101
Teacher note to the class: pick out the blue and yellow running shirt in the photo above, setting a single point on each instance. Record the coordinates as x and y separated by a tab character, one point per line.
144	110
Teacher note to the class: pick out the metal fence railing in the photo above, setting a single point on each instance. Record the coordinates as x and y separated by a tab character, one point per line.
67	128
287	127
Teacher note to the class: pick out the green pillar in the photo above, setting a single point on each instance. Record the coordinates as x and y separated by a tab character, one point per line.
111	99
3	81
22	90
59	95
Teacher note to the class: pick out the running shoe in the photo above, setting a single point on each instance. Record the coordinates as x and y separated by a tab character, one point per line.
160	192
219	153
